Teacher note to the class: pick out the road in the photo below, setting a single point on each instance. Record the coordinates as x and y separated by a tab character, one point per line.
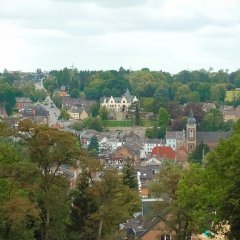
54	112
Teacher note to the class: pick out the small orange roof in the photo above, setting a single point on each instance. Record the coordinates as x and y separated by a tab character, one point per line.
164	152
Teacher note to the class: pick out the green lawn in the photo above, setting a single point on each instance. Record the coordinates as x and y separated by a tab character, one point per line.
115	123
230	95
126	123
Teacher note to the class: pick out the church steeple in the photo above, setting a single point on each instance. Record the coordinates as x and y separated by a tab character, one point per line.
191	132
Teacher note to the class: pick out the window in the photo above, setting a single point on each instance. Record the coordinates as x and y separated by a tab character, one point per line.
191	133
165	237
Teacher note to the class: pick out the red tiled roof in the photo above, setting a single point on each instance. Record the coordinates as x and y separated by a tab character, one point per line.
164	152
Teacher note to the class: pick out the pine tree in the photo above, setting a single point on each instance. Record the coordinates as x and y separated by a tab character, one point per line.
93	145
130	176
137	114
84	204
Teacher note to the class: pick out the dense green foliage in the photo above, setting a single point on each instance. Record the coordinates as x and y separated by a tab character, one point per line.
186	86
36	202
203	196
130	176
199	153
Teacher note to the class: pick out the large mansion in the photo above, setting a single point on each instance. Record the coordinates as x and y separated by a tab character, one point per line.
118	104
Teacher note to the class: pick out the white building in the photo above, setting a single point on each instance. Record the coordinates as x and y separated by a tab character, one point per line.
118	104
175	139
151	143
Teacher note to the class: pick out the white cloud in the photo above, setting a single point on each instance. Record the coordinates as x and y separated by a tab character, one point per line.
104	34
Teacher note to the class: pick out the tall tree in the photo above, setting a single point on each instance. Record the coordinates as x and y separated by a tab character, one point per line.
49	149
103	112
213	121
93	145
137	114
117	203
168	210
19	215
163	117
130	175
223	166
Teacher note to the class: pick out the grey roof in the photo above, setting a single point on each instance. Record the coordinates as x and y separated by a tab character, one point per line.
175	135
132	137
23	99
154	141
211	136
128	95
191	118
148	172
41	111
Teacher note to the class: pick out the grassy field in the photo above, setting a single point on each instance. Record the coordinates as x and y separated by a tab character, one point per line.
126	123
115	123
230	95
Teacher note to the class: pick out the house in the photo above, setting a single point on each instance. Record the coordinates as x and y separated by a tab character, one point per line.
164	153
143	227
74	113
211	138
175	139
230	113
84	114
151	143
207	106
22	102
118	104
126	153
85	137
182	156
35	111
68	102
147	172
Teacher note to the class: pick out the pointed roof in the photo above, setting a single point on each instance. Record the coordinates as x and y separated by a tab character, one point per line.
191	118
128	95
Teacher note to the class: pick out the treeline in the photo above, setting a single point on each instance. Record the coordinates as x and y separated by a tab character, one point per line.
186	86
38	200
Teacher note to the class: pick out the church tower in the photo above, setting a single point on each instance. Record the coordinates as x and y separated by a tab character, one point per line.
191	132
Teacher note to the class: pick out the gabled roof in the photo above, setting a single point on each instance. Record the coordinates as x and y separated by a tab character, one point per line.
211	136
175	135
165	152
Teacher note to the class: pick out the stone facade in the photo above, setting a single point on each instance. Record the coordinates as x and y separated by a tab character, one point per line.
118	104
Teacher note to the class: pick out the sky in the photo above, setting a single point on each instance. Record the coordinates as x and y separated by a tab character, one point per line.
168	35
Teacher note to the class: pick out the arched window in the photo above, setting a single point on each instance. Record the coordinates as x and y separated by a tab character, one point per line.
191	133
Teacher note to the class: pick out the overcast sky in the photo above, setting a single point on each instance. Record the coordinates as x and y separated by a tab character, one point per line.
169	35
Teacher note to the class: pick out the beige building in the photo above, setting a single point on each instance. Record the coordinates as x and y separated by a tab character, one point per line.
118	104
78	113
